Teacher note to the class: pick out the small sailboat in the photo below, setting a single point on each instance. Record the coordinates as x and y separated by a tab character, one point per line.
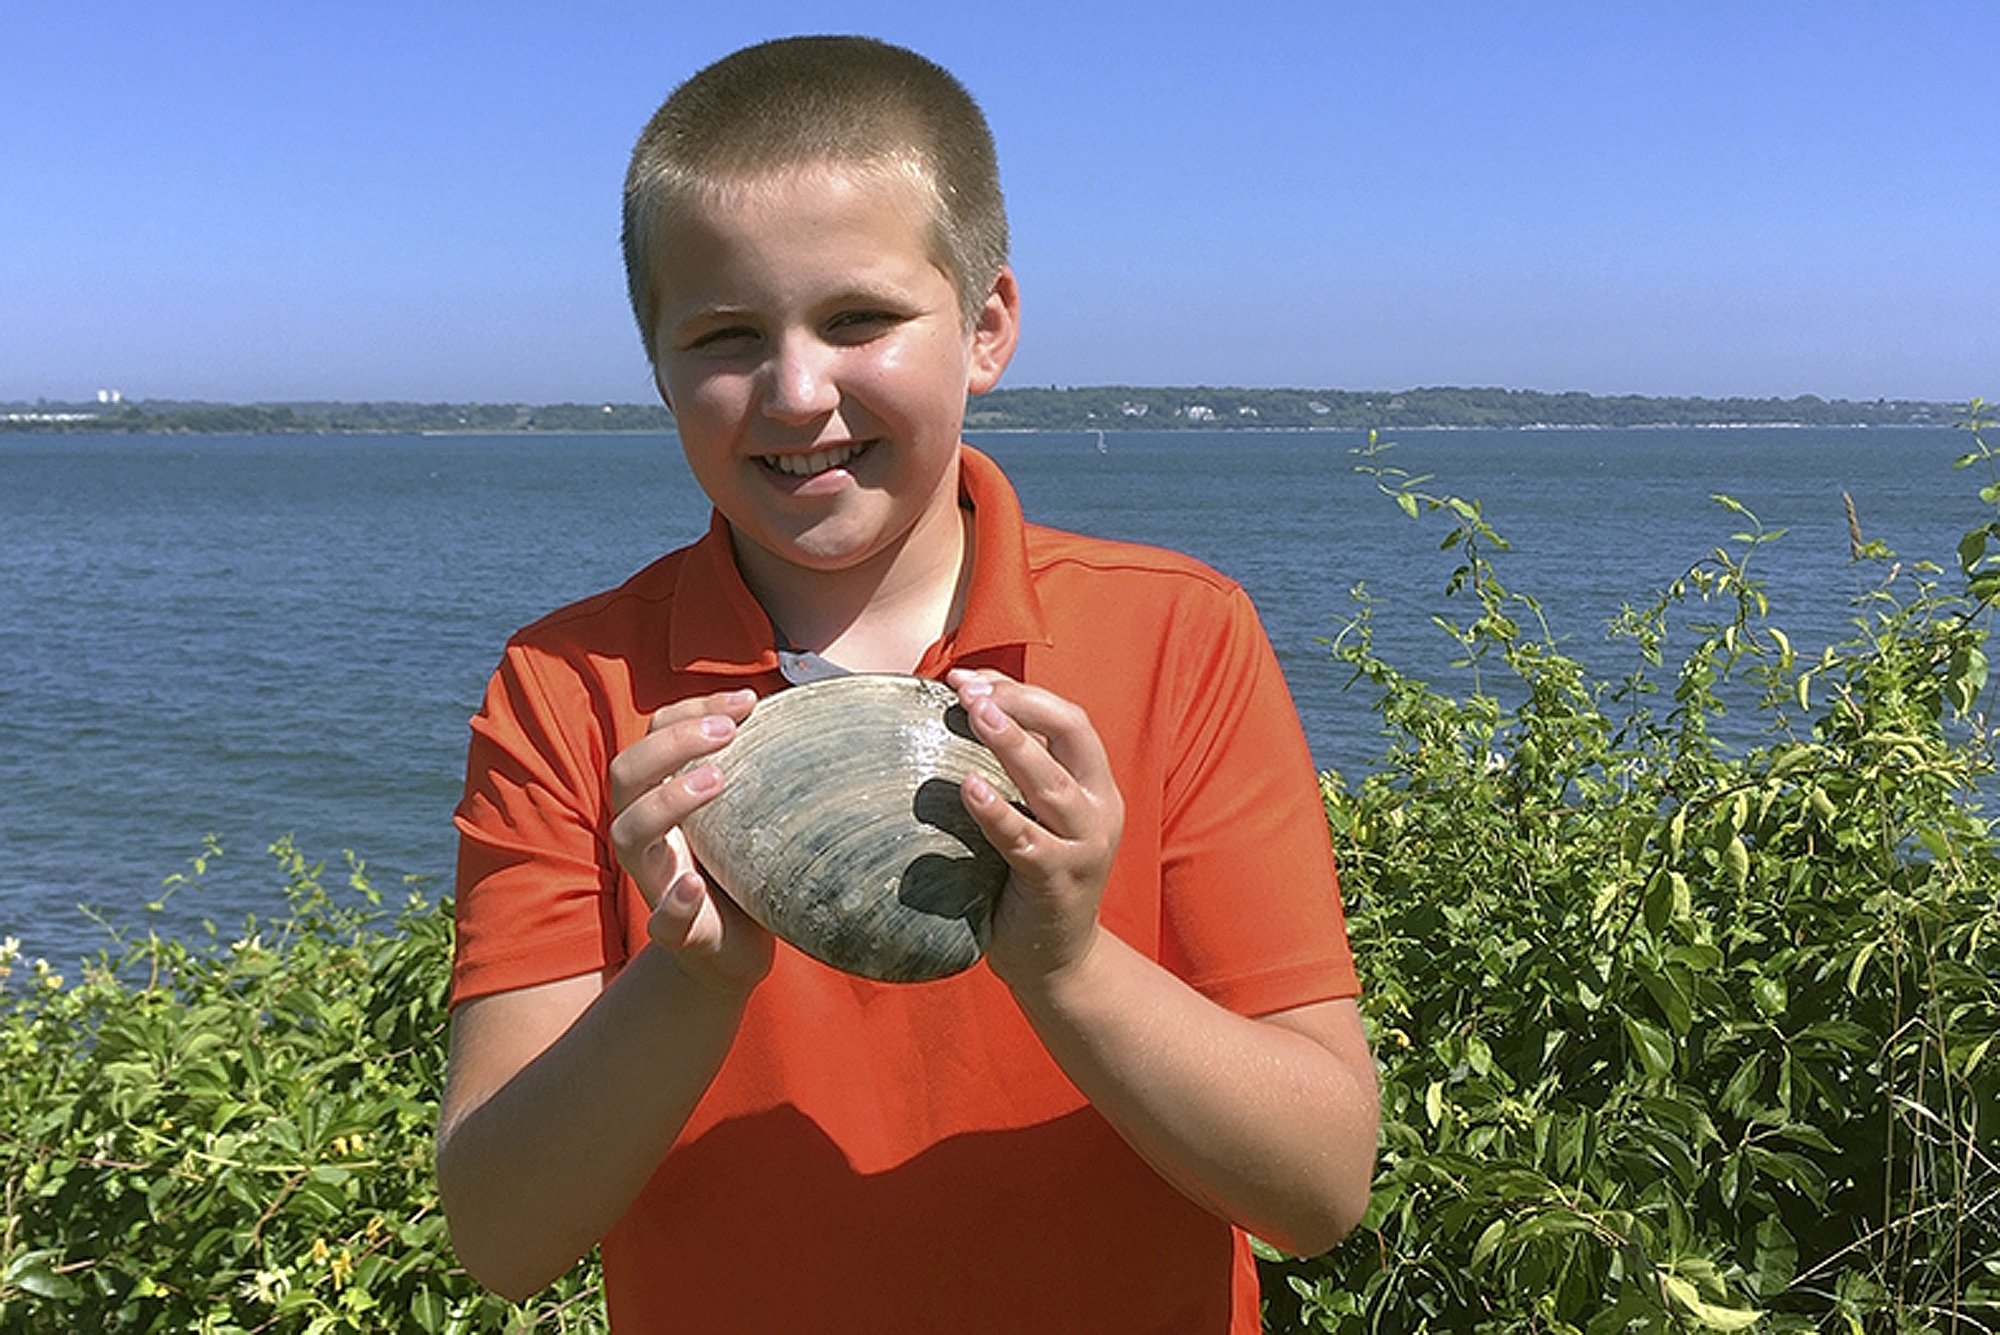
1102	448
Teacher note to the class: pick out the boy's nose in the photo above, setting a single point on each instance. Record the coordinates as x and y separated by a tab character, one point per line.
799	382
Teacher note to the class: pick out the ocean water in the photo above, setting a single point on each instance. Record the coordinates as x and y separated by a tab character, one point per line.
255	637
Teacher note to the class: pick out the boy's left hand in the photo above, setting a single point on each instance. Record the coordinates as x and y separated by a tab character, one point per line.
1046	918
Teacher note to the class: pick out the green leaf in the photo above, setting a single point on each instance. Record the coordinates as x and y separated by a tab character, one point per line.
1731	1184
1659	902
1777	1257
1860	964
1965	678
34	1272
1667	996
1744	1083
1651	1045
1710	1316
1974	1056
1736	861
1489	1239
1727	1318
1795	1170
1970	548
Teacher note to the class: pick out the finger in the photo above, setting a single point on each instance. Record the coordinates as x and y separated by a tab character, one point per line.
1070	804
708	936
737	704
1047	789
645	833
1059	726
972	683
1015	836
679	733
677	917
657	865
689	919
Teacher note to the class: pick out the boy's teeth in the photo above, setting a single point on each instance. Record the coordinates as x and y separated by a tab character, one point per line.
805	465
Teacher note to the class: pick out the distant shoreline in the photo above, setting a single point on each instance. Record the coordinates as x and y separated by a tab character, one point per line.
1108	409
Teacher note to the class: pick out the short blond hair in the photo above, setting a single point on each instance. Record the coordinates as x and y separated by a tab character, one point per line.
847	102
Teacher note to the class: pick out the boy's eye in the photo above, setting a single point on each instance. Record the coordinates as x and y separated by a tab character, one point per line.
728	338
861	325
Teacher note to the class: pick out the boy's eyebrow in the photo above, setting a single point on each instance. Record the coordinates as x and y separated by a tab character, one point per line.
700	314
704	317
880	294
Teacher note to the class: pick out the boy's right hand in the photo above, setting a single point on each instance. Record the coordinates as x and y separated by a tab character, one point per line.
711	939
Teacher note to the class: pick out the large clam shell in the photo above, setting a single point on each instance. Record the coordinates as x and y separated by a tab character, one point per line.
840	827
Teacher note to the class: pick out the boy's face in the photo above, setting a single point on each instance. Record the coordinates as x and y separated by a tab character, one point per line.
817	363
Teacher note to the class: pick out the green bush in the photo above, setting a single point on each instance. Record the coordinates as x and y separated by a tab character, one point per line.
237	1138
1674	1035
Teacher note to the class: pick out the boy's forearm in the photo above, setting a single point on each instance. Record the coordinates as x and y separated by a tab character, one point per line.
535	1173
1269	1125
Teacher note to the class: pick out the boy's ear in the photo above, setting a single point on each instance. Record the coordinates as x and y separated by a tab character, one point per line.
996	330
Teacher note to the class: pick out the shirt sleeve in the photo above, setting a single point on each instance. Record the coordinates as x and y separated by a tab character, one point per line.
1250	895
536	890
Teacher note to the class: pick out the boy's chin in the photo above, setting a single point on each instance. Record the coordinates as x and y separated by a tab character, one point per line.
816	553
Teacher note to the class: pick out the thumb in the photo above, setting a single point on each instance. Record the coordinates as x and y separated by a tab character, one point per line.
674	917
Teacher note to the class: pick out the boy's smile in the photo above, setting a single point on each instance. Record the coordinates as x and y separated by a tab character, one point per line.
805	465
817	364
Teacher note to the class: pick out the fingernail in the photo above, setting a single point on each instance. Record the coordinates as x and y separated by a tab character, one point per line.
686	890
978	789
977	688
717	726
704	779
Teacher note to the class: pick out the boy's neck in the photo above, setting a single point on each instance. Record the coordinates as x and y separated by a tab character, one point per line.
878	617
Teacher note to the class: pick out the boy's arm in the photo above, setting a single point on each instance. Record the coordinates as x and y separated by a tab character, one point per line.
562	1099
1269	1122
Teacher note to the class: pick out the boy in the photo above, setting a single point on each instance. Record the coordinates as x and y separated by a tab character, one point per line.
1161	1049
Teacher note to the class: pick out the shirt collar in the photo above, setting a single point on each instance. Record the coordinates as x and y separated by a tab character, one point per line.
1001	609
717	626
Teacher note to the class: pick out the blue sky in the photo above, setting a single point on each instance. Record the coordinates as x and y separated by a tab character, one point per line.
418	200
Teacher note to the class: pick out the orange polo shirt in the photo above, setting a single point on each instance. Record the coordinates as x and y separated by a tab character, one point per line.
878	1157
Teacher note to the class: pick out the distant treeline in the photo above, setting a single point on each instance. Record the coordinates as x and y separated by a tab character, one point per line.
172	415
1102	408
